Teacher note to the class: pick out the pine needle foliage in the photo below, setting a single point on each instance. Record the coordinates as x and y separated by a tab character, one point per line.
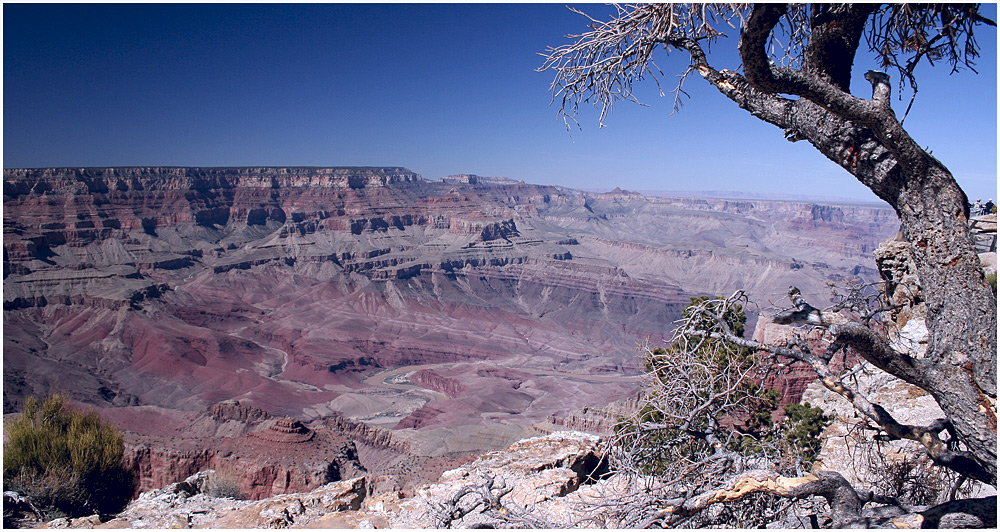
67	462
802	428
705	403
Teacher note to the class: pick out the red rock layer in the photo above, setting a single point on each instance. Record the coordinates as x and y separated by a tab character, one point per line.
792	381
286	289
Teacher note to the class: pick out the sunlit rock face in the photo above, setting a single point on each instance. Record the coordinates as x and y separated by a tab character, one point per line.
459	315
557	475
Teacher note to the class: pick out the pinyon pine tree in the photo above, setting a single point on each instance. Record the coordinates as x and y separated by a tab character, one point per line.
797	66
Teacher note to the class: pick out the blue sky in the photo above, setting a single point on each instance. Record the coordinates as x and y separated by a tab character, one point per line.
440	89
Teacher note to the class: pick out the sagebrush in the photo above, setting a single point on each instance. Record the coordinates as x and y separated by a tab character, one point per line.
67	462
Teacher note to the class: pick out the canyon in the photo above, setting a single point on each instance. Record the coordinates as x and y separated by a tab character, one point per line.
365	318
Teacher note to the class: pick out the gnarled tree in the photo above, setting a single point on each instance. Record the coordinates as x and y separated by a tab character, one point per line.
797	65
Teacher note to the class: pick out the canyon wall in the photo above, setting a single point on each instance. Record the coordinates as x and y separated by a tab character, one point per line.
453	315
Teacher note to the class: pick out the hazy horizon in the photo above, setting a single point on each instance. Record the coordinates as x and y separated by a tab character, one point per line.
701	194
438	89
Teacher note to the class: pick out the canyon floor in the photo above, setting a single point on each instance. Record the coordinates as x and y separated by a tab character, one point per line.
367	318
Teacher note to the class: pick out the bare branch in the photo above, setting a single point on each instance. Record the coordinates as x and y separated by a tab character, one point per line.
808	51
485	501
832	486
903	35
605	62
875	349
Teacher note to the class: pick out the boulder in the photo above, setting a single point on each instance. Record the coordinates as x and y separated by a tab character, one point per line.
534	470
535	474
296	509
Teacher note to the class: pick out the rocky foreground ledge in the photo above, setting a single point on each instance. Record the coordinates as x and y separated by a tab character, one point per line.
559	475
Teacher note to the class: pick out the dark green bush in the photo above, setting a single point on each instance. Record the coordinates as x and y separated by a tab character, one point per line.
713	387
67	462
802	428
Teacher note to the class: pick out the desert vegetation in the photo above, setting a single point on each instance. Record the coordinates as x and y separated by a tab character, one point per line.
705	415
709	396
68	463
224	484
706	447
797	65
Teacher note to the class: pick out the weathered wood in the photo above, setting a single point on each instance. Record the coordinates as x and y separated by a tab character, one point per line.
863	136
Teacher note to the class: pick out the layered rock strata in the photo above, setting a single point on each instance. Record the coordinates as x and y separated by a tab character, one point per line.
542	472
556	481
273	457
447	317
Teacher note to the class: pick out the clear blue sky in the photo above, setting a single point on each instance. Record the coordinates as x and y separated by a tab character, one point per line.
440	89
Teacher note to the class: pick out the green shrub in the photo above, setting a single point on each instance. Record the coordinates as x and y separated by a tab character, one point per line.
991	278
67	462
713	387
802	428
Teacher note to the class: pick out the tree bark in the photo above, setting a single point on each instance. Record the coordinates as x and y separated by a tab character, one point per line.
864	138
845	502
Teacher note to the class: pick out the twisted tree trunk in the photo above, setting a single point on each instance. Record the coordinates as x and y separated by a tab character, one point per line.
865	138
862	135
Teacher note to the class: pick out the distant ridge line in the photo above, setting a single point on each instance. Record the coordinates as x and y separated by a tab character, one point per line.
475	179
744	196
196	167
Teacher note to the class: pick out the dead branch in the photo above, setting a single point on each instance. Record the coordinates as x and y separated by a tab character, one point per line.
809	52
875	349
486	501
612	56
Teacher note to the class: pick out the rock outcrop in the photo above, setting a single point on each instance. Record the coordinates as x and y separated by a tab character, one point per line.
541	473
556	481
263	455
847	446
984	233
453	315
189	504
284	430
230	410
